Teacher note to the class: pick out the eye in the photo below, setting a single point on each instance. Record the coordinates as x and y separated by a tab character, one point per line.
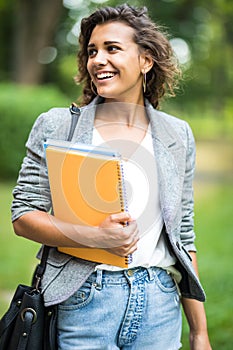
91	52
113	48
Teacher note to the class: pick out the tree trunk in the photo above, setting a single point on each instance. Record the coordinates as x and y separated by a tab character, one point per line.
35	25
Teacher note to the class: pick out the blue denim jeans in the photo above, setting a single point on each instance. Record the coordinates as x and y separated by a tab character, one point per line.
130	310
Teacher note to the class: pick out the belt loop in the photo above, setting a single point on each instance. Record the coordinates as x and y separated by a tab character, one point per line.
150	273
99	275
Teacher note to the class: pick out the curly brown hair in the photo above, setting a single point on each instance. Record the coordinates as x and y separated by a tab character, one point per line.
162	79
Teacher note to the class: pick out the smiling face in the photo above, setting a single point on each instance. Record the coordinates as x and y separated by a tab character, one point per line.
115	63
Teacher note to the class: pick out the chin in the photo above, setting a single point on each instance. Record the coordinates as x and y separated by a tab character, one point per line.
106	94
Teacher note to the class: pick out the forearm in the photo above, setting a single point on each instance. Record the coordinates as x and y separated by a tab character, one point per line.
195	314
196	317
44	228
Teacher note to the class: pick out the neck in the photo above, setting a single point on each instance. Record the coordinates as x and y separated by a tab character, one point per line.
130	114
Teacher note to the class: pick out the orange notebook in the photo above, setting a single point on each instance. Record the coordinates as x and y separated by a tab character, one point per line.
86	184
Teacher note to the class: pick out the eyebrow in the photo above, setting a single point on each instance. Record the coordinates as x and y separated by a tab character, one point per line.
109	42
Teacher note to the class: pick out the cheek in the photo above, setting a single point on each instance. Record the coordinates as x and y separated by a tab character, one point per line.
89	67
133	72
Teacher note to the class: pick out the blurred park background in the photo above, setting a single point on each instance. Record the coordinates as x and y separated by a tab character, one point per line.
38	40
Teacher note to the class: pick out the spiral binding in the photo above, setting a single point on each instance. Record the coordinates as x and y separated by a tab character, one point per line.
123	198
121	186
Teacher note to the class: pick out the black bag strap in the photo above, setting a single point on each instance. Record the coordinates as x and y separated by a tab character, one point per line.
75	113
40	269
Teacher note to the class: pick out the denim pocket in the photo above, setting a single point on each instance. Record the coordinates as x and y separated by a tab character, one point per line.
165	281
79	299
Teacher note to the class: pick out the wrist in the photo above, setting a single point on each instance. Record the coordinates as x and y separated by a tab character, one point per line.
199	341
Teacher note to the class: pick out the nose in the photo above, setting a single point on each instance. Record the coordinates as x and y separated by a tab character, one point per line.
100	58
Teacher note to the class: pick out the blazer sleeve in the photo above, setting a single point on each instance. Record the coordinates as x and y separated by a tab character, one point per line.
187	225
32	190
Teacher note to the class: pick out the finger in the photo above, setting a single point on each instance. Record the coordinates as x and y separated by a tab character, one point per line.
122	251
127	249
132	250
120	217
132	232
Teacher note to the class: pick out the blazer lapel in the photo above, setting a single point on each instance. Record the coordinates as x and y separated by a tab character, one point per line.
170	157
84	130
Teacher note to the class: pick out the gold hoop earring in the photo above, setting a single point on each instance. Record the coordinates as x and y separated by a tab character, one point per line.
144	82
92	88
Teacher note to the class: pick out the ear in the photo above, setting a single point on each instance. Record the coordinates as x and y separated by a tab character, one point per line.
146	62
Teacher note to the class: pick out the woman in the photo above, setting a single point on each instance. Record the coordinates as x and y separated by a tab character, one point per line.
126	65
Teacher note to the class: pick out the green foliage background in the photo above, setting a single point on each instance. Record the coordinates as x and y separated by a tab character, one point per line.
19	107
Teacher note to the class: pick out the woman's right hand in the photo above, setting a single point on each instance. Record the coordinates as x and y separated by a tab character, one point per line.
120	234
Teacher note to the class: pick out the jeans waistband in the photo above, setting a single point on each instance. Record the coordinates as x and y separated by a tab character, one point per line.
100	277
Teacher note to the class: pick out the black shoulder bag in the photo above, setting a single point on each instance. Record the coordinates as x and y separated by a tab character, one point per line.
28	324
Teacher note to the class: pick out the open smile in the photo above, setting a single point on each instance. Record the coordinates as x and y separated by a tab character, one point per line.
105	75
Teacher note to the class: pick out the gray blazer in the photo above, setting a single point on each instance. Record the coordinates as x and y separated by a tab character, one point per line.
174	148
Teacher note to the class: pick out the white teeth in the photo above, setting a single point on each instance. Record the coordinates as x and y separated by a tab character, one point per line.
105	75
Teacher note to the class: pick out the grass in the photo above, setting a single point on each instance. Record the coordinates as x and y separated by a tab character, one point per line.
214	225
214	228
16	254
